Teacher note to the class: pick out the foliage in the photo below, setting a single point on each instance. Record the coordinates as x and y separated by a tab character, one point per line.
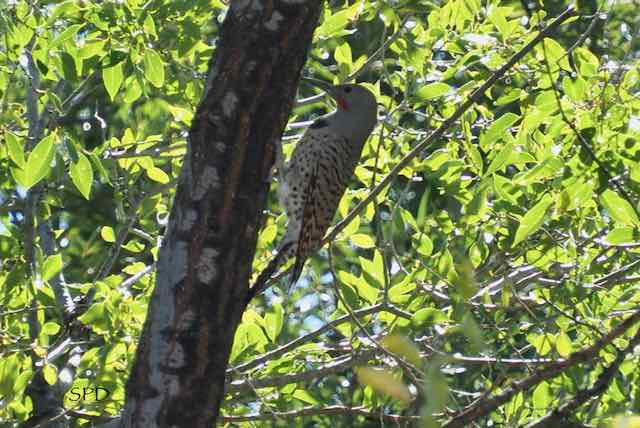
506	245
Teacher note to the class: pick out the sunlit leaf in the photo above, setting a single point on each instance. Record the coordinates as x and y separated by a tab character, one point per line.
273	321
625	422
15	149
112	78
402	346
501	159
81	174
498	128
533	219
108	234
384	382
50	373
65	35
51	266
156	174
619	209
432	90
541	396
153	68
563	344
362	240
428	316
39	161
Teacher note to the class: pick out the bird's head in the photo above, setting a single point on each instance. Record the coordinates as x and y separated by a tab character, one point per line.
353	99
357	111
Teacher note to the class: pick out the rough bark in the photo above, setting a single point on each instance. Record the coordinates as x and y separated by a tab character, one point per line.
205	262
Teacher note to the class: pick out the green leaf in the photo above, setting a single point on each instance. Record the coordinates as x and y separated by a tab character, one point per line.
403	346
15	149
102	172
267	235
421	216
425	246
625	422
432	90
9	368
342	54
132	89
50	328
588	63
554	53
541	342
51	266
498	129
622	235
273	322
68	66
81	174
544	170
303	395
564	346
90	49
335	24
428	316
541	396
97	317
533	219
580	194
373	270
501	159
150	26
156	174
67	34
474	156
39	161
619	209
112	78
575	89
134	268
67	8
153	68
498	19
20	177
384	381
50	373
107	234
362	240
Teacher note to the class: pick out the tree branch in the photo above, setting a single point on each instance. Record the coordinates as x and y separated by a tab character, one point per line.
322	411
565	411
304	339
487	405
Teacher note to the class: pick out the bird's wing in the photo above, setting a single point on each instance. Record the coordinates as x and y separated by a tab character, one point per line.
323	191
308	226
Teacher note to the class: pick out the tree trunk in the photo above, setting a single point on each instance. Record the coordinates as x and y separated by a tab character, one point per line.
205	261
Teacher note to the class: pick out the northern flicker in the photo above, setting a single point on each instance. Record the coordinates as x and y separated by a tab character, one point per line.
312	183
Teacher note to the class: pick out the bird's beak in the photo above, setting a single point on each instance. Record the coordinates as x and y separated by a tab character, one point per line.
327	87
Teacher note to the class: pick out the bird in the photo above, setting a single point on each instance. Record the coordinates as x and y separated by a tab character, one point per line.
312	183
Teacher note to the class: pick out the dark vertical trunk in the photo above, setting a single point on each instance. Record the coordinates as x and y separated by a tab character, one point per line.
205	261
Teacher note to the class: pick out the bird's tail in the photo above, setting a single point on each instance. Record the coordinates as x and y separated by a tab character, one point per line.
297	271
284	253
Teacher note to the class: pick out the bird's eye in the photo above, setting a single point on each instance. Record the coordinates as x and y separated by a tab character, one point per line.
347	89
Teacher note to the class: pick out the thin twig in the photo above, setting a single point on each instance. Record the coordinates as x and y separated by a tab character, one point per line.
314	334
